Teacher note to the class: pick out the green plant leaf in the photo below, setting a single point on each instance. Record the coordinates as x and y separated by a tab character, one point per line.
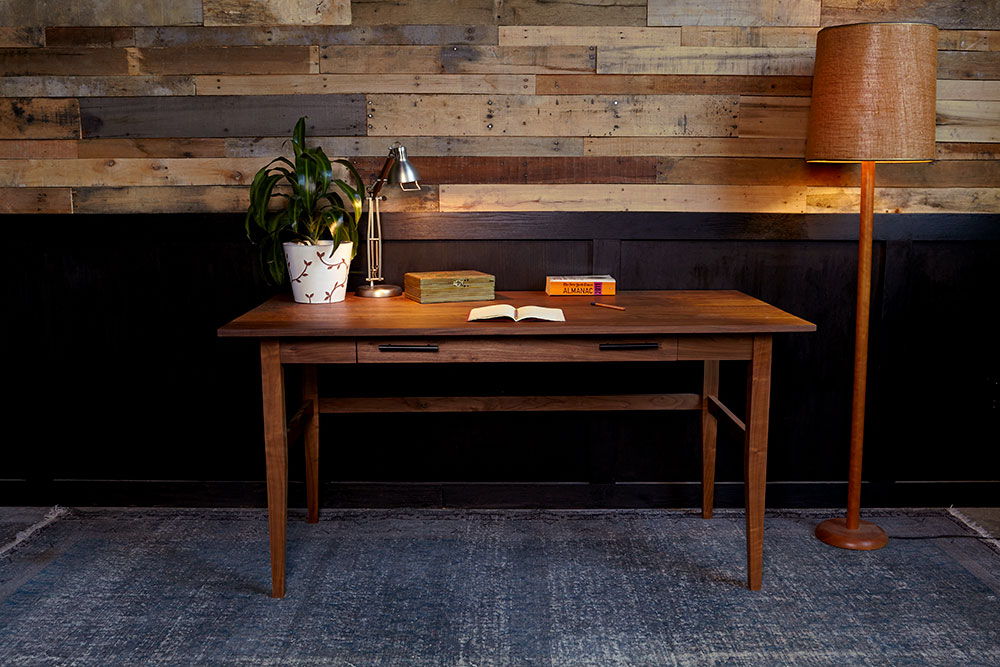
314	207
299	136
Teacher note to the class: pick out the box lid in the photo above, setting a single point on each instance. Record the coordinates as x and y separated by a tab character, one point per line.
456	279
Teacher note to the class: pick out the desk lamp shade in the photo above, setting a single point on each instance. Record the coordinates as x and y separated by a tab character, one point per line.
873	93
403	172
873	101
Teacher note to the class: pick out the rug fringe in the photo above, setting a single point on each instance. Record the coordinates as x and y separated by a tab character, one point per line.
972	525
23	535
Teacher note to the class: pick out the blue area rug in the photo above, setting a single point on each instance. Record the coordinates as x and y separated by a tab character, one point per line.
408	587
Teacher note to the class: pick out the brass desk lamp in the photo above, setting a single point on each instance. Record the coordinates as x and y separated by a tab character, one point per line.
396	169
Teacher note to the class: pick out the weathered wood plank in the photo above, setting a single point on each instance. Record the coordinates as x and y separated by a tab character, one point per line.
100	12
101	37
557	35
221	116
381	59
211	199
416	146
588	197
756	36
308	84
947	14
276	12
21	36
505	12
483	170
35	200
967	151
968	65
65	62
551	115
954	89
375	12
805	37
95	86
969	40
773	117
703	60
415	35
968	121
30	118
749	171
735	13
227	60
707	146
191	199
906	200
517	60
149	148
109	172
946	174
671	84
456	59
572	12
769	171
424	200
37	148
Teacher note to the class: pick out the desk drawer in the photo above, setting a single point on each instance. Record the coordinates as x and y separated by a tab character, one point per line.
516	349
318	352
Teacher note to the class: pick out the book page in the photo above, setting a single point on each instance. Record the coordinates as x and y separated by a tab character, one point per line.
522	313
540	313
490	312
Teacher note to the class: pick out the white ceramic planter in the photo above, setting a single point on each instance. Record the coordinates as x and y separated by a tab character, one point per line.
316	276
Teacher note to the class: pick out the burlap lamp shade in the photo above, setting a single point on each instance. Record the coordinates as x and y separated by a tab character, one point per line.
873	93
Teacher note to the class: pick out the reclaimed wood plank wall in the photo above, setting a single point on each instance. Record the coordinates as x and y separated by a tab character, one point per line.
137	106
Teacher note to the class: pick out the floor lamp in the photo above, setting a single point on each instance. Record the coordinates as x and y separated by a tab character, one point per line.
873	100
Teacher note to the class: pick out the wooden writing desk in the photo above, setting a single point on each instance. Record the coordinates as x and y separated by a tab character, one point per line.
708	326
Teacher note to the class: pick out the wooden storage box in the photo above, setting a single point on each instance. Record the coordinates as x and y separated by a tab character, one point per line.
443	286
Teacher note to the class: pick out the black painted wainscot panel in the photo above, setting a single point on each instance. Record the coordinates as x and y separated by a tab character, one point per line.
126	396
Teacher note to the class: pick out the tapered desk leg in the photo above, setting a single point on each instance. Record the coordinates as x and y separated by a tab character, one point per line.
310	392
755	455
709	429
276	453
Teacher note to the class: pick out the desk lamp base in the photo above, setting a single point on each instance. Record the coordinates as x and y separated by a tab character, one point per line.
866	537
378	290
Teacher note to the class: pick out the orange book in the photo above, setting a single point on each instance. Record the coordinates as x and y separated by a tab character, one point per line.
579	285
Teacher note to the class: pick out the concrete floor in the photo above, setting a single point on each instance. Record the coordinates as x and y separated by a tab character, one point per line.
988	518
15	519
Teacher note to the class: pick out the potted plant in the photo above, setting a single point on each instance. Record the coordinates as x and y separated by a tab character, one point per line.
311	238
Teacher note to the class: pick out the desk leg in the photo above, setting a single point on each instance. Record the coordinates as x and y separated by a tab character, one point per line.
755	455
311	438
276	453
709	429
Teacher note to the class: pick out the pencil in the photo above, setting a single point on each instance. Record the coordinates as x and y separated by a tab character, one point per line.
606	305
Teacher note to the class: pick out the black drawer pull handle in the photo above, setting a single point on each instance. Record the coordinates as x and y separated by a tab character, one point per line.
430	347
607	347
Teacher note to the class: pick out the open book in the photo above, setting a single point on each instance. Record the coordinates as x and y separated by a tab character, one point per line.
517	314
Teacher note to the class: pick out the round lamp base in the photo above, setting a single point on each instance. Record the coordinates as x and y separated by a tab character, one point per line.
378	290
867	537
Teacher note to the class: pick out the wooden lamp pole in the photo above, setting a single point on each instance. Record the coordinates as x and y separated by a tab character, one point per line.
873	100
851	532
